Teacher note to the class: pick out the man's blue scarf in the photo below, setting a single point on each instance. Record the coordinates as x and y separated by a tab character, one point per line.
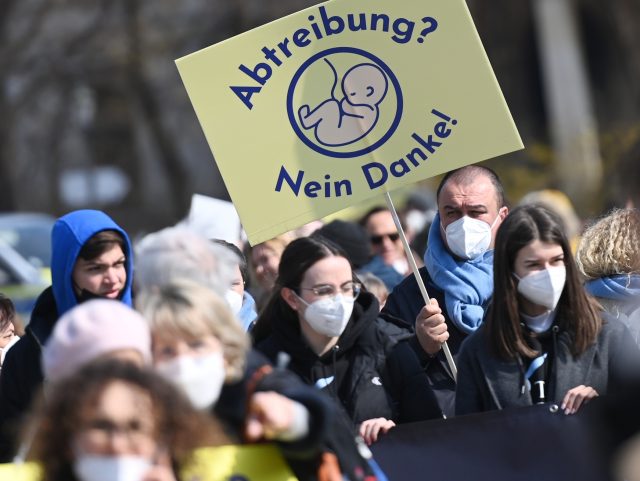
467	284
622	287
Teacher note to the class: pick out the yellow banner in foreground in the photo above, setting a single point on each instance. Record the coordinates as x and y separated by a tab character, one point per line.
343	101
228	463
238	463
20	472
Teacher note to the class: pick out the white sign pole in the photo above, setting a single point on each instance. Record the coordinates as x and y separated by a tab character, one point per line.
416	274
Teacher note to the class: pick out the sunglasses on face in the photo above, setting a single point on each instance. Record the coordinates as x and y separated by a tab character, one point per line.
378	239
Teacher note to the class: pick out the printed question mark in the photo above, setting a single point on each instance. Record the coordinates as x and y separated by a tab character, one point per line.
432	25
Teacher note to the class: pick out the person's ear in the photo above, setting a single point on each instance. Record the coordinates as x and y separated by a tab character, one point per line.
290	298
503	212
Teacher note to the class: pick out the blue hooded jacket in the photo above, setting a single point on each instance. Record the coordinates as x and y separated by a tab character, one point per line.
69	234
21	372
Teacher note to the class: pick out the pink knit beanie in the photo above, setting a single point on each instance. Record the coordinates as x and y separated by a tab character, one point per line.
90	330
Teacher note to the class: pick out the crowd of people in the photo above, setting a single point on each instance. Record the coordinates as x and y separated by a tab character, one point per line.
319	340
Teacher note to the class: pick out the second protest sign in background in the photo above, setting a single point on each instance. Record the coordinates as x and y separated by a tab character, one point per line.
344	101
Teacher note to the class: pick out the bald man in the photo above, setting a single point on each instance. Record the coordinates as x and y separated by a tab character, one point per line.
458	273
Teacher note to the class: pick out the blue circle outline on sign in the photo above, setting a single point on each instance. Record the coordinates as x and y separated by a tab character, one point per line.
357	153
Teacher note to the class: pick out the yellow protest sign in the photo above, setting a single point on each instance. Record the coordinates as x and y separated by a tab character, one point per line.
238	463
20	472
344	101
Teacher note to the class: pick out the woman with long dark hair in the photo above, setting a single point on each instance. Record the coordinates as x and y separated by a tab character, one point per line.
330	329
543	339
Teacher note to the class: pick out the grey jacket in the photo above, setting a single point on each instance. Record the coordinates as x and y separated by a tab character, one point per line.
487	383
626	312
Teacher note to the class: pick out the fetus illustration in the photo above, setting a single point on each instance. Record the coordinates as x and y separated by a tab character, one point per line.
344	121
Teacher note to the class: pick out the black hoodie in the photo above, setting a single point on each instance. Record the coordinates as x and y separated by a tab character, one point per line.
371	371
22	377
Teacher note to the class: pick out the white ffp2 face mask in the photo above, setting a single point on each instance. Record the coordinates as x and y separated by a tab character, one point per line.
201	378
110	468
234	300
544	287
329	316
469	238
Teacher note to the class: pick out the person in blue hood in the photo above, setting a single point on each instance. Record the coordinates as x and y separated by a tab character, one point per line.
91	258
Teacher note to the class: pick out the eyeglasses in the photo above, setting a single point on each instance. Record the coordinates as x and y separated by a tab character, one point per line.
378	239
102	431
348	289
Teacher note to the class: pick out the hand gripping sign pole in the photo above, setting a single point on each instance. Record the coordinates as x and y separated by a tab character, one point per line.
416	274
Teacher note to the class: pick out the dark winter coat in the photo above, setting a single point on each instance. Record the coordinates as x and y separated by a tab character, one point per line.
231	410
327	430
231	407
371	371
486	382
405	302
21	378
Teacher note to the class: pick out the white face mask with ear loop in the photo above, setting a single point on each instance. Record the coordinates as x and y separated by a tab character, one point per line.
234	299
467	237
200	377
329	316
543	287
88	467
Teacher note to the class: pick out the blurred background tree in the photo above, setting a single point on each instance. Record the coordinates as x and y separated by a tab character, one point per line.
93	112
